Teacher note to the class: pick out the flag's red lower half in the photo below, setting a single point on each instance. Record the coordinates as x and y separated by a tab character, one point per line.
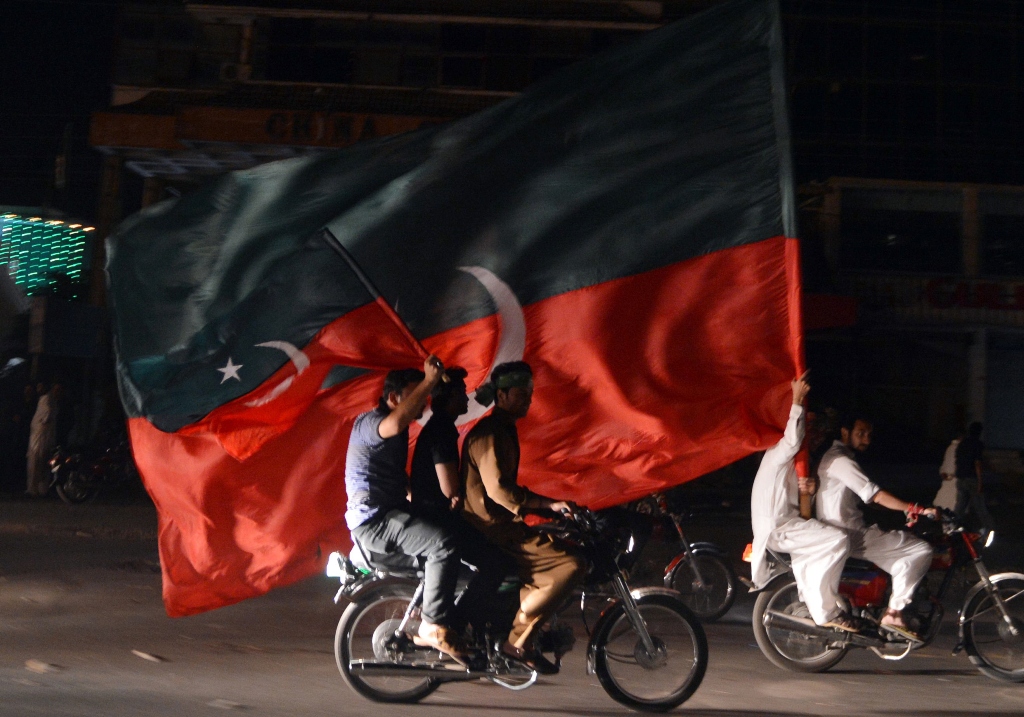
650	381
641	383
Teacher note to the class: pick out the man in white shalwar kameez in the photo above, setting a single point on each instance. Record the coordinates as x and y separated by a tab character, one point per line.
843	487
41	442
817	551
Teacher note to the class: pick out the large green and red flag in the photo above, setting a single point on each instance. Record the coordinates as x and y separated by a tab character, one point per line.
625	226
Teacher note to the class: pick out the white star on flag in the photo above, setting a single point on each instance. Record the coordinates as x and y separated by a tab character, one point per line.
230	371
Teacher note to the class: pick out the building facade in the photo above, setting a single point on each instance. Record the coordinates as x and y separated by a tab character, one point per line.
915	104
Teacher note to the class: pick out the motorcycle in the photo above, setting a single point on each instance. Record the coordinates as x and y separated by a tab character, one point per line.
648	650
700	572
78	476
990	622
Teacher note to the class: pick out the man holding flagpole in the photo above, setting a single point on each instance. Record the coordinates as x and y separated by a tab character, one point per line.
379	516
818	550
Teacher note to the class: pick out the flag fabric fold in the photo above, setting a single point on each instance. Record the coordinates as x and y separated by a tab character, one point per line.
625	226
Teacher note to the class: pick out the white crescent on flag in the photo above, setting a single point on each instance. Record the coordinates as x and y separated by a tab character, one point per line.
296	356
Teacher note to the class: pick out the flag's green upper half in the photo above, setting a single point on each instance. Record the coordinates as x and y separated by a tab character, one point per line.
666	149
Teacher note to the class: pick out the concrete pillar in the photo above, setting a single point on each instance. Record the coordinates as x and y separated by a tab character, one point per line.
971	234
830	228
108	215
977	376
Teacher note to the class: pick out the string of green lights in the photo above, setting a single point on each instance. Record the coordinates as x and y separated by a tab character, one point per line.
37	251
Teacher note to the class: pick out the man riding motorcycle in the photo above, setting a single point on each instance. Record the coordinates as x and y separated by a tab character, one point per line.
843	487
495	504
380	518
818	550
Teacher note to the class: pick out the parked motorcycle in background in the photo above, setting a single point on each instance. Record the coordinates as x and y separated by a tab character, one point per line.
700	572
990	621
80	475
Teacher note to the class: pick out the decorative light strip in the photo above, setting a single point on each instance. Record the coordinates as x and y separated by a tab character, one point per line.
37	252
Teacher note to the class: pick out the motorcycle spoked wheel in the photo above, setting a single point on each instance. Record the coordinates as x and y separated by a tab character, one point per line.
651	682
75	490
988	641
791	649
362	631
717	592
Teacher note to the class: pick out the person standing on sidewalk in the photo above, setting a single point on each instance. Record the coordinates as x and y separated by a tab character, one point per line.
969	495
946	495
41	442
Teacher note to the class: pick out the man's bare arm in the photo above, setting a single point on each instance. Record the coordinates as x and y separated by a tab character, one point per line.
448	479
887	500
412	405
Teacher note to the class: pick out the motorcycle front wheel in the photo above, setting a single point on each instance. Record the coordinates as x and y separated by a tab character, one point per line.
656	682
710	597
988	640
362	634
786	647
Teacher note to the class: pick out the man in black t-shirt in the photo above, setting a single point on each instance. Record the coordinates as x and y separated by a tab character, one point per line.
968	478
434	479
437	495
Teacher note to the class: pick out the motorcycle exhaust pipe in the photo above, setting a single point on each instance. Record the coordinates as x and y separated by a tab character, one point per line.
809	627
447	672
794	622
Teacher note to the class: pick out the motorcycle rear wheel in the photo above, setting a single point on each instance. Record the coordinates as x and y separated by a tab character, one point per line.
361	631
791	649
642	681
75	490
989	644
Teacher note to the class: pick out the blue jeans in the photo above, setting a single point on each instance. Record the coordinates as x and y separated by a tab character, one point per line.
398	530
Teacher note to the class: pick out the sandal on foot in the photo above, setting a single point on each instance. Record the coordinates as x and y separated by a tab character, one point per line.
893	622
532	659
844	623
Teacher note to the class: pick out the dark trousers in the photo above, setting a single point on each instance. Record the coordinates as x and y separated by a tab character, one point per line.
478	604
400	531
969	500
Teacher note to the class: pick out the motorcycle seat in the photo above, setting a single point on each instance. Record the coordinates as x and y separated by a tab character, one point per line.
859	564
851	563
397	564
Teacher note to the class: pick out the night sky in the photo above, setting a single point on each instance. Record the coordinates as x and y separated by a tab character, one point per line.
56	57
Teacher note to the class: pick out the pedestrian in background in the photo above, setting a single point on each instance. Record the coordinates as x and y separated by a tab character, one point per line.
969	494
42	440
946	497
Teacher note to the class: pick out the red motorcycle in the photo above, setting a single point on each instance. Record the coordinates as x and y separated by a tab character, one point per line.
78	476
991	619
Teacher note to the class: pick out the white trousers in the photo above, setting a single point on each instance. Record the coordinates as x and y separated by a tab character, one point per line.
904	556
818	552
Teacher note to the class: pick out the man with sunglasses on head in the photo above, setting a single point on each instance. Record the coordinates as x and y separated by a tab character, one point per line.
495	504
